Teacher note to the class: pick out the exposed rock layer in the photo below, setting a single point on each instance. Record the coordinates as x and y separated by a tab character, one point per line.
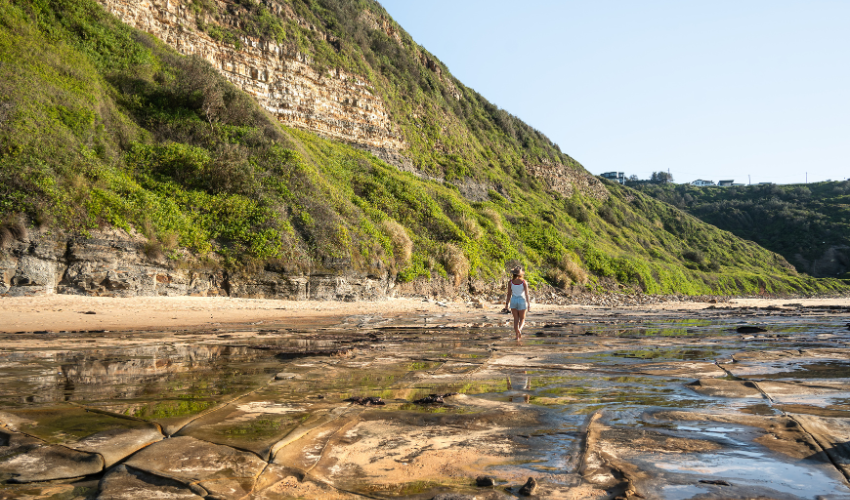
112	264
336	104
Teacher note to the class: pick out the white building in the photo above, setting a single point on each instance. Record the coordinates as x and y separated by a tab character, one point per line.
615	176
702	183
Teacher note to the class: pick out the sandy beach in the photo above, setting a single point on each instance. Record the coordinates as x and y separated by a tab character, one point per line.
75	313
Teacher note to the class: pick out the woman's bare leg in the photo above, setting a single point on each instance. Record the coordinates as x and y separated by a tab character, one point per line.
521	325
516	314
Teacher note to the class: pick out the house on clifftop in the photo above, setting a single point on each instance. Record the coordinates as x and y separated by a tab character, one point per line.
703	183
615	176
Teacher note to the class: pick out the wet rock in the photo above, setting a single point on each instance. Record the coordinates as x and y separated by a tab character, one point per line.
304	447
214	467
484	481
432	399
342	352
248	424
725	388
366	401
285	376
455	496
277	482
682	369
12	422
39	492
715	482
47	463
832	434
435	399
115	445
529	488
128	483
750	329
13	443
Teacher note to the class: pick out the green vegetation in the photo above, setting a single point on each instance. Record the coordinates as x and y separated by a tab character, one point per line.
807	224
104	126
170	409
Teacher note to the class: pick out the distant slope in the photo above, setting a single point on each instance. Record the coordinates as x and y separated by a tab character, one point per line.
807	224
102	125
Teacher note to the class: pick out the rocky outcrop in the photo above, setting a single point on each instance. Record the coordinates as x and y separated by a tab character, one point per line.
334	104
566	180
114	264
337	105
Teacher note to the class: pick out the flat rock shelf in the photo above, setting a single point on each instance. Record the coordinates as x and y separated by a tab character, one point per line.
726	403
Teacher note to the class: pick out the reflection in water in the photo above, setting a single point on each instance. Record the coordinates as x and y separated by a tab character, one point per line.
556	380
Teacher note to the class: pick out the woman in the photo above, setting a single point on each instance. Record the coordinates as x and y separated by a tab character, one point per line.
517	300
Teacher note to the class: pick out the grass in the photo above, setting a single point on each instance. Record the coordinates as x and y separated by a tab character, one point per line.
104	126
804	223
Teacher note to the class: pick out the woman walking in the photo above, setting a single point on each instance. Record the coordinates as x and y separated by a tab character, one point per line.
517	300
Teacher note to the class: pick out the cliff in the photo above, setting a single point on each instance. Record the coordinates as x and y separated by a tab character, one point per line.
304	150
334	103
115	264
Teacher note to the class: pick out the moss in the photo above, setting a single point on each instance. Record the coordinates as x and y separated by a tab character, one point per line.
171	409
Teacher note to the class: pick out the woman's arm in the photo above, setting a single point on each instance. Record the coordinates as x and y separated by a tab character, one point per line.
527	298
508	296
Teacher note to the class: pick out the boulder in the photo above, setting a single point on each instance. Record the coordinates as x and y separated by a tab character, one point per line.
127	483
189	460
115	445
726	388
47	463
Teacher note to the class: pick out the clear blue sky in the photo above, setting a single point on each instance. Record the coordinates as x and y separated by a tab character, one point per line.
707	89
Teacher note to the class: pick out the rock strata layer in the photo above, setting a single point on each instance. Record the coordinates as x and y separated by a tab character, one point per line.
336	104
113	264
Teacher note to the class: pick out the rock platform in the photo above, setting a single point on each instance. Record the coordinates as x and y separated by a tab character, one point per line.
601	404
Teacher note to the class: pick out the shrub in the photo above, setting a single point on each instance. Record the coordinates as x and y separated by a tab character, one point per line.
12	228
578	212
470	227
402	244
153	250
574	270
694	256
494	217
455	262
608	215
557	278
6	237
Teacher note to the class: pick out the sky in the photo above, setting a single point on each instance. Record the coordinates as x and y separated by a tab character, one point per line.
749	90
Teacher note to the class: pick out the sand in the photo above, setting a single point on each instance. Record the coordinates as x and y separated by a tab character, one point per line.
69	312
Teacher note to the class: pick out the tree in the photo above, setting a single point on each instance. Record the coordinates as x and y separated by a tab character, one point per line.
661	177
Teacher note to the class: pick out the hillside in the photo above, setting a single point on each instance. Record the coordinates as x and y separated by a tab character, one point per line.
808	224
302	149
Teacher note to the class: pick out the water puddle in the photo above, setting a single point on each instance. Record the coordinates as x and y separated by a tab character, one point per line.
345	402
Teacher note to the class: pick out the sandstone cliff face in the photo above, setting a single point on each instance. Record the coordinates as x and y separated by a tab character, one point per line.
336	105
566	180
112	264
